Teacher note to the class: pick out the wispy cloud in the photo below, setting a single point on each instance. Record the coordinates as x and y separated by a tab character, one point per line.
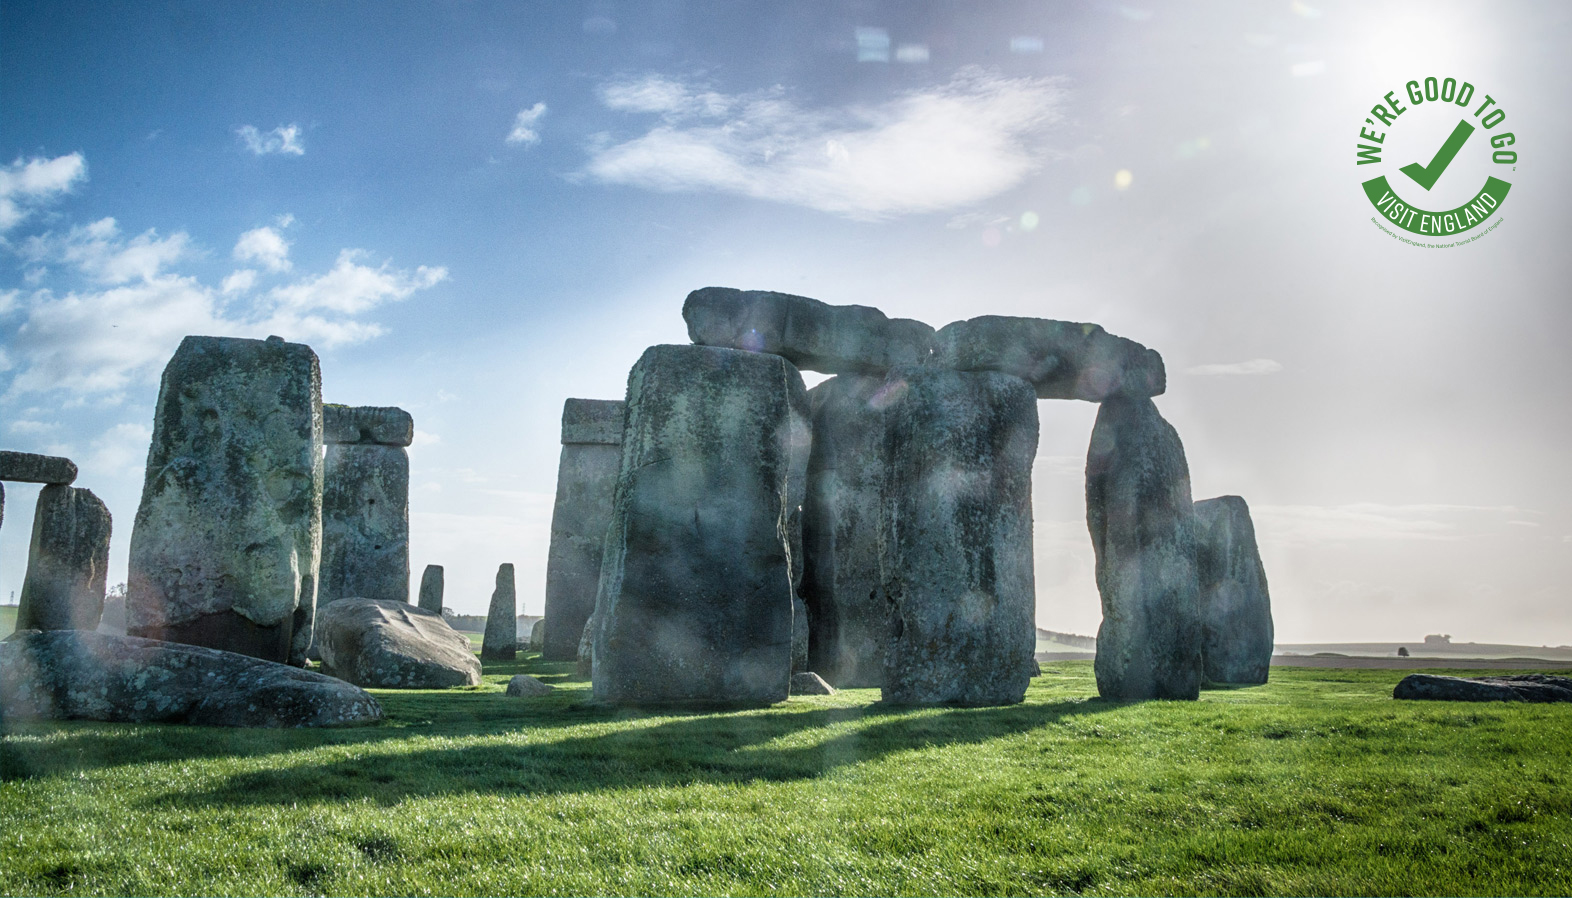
283	140
927	150
524	131
1367	521
98	251
266	247
27	185
1254	366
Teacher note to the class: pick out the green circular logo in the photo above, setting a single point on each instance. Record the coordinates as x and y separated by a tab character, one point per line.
1437	143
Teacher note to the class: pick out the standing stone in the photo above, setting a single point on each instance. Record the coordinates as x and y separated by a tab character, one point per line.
799	635
30	468
1143	530
586	480
501	641
365	504
1236	611
225	547
956	559
1062	359
67	562
431	588
849	615
810	334
799	447
695	597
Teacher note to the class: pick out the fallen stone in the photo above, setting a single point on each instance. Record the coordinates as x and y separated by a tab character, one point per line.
807	682
81	675
365	523
1516	688
431	588
956	555
380	425
695	600
1061	359
225	547
500	643
67	562
586	480
27	467
1142	523
810	334
524	686
1236	610
380	644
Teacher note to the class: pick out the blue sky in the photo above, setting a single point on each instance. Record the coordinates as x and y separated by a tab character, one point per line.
474	211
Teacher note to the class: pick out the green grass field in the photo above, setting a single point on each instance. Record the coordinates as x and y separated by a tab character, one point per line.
1316	783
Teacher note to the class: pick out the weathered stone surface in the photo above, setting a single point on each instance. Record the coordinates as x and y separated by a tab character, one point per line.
67	562
586	480
848	613
81	675
226	543
381	425
27	467
392	645
695	596
809	683
810	334
431	583
584	664
1519	688
1236	610
500	643
365	523
1142	522
594	421
1062	359
524	686
956	558
799	635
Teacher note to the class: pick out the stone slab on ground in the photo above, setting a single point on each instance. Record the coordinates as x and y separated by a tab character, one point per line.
380	644
1520	688
525	686
807	682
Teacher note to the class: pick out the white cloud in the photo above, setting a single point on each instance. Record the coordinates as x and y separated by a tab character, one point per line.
524	125
266	247
24	186
26	426
239	281
1254	366
351	288
120	450
923	151
99	252
285	140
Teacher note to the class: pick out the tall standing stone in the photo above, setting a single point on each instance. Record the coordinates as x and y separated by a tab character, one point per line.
226	543
956	553
1142	522
1236	610
586	481
501	641
431	588
67	562
365	504
695	596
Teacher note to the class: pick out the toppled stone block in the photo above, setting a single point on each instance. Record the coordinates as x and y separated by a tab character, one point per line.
1142	521
592	421
81	675
26	467
391	645
956	555
525	686
810	334
225	547
501	640
365	523
1236	610
695	598
380	425
586	481
431	581
809	683
1061	359
1518	688
67	562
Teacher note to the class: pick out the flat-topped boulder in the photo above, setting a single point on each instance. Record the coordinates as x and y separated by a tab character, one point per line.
1518	688
382	425
810	334
67	562
592	421
26	467
393	645
1236	609
1061	359
81	675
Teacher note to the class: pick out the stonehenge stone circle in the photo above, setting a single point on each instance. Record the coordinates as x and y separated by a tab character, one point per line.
810	334
1143	528
225	546
365	504
695	600
67	561
383	644
501	640
431	589
956	551
1061	359
586	480
26	467
81	675
1236	610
